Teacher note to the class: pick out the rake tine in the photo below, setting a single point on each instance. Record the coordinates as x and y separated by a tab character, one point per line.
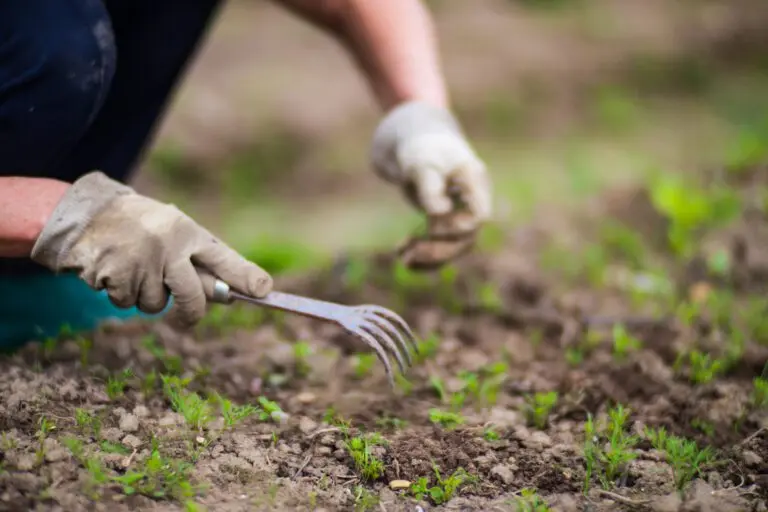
369	340
395	319
382	336
393	333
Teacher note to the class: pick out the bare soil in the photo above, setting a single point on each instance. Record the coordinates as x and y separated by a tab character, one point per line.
299	462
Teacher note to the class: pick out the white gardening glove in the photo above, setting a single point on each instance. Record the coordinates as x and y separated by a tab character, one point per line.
422	149
139	249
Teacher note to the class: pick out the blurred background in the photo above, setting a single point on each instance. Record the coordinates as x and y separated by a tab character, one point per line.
266	142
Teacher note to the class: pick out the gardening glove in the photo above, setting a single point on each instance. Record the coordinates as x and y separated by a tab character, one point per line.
422	149
139	250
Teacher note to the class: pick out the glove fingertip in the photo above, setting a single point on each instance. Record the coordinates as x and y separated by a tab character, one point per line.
260	283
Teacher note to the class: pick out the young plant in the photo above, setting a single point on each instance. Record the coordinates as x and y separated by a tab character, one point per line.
427	348
367	464
46	427
759	397
270	410
365	500
624	342
530	501
702	367
363	365
538	407
685	457
116	383
447	420
301	351
608	450
444	488
86	421
196	411
85	345
234	414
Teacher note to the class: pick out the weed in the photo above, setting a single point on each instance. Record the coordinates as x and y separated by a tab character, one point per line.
158	477
685	457
390	422
538	407
234	414
195	410
86	421
624	342
530	501
367	464
270	410
427	348
116	383
445	419
85	345
8	443
439	387
759	396
489	298
301	351
703	368
364	499
490	435
172	364
363	365
608	450
46	426
111	447
446	488
703	426
149	383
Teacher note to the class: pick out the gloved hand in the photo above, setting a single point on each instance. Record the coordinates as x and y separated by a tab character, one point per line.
139	249
421	148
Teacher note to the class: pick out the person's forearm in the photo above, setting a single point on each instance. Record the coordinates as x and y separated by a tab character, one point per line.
393	41
25	206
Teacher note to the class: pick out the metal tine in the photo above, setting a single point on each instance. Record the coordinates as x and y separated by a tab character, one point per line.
394	318
371	342
383	337
393	332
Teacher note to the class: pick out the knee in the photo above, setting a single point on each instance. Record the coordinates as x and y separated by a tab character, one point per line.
52	84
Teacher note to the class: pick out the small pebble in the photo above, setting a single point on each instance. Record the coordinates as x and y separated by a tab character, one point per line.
306	397
131	441
141	411
399	484
129	423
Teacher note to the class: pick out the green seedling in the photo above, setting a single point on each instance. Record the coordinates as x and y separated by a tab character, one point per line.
367	465
691	209
490	435
685	457
439	386
363	365
271	411
356	273
388	422
158	477
85	345
703	368
149	383
116	383
445	488
403	384
196	411
46	426
608	450
234	414
538	408
446	419
489	298
365	500
7	442
87	422
483	387
530	501
172	364
622	242
301	351
97	473
759	396
111	447
704	427
624	342
427	348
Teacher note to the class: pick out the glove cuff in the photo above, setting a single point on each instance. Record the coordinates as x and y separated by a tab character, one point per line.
83	201
401	123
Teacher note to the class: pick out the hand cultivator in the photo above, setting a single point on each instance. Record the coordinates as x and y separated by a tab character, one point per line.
377	327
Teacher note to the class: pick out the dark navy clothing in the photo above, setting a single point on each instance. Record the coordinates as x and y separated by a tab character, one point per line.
83	84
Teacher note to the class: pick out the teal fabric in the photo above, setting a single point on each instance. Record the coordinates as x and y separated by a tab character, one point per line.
36	307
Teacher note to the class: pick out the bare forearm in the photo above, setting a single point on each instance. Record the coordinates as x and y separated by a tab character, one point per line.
25	206
393	41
